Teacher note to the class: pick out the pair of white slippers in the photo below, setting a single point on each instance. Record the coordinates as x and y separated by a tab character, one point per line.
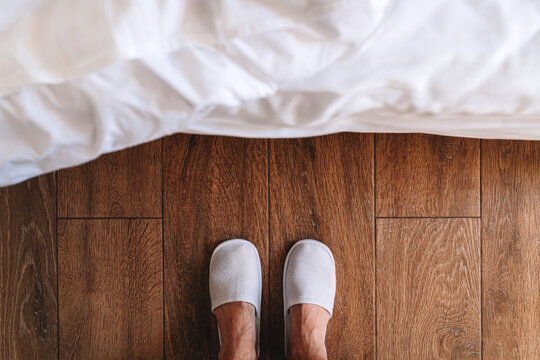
309	276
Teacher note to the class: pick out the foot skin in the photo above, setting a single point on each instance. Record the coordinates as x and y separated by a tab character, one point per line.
236	322
306	333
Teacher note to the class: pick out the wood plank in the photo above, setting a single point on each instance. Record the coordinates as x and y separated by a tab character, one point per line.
428	289
421	175
322	188
110	289
28	316
121	184
511	249
215	189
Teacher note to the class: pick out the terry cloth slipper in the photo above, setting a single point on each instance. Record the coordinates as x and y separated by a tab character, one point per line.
235	275
309	277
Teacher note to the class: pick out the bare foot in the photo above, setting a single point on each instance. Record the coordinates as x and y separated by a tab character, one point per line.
306	333
236	322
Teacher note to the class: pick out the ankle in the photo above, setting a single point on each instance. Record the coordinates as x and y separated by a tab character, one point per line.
246	352
307	344
238	348
236	322
309	350
307	332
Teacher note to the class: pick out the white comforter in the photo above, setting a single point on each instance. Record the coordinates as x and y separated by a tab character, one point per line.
79	78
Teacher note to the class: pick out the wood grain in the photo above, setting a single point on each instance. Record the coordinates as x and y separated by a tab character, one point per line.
428	289
427	270
28	316
215	189
511	249
322	188
121	184
421	175
110	289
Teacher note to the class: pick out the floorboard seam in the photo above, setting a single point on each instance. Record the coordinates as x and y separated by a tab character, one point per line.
374	247
112	217
268	235
163	246
57	273
428	217
481	252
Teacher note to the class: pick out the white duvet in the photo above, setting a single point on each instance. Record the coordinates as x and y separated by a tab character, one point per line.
79	78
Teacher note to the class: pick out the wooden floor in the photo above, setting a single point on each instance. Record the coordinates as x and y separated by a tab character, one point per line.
436	239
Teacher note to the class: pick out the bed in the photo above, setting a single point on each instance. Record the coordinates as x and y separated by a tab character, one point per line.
81	78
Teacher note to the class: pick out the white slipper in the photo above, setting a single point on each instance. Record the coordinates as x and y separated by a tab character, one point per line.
309	277
235	275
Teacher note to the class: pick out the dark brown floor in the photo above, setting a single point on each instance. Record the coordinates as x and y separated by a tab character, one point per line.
436	241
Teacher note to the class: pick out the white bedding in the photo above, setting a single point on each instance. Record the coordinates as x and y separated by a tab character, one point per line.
79	78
